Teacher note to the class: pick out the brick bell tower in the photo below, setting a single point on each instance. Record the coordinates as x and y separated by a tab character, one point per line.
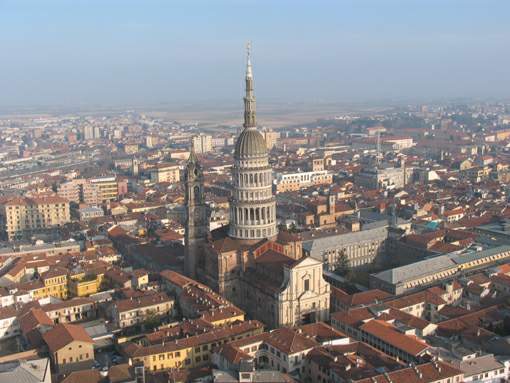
197	222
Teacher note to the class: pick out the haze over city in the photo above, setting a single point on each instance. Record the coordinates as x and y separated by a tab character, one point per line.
254	191
154	53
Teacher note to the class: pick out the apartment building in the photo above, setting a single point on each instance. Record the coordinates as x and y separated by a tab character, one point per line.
52	283
93	191
9	325
70	348
271	137
109	187
284	349
194	351
83	285
346	363
202	143
432	372
22	216
287	182
133	311
165	173
393	341
55	282
72	310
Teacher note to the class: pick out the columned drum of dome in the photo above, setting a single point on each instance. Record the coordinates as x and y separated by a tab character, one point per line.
252	204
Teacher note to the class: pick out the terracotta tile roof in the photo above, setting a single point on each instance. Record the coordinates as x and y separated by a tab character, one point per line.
501	279
423	373
408	319
470	320
451	312
274	257
289	341
142	301
364	298
233	354
286	237
32	319
416	298
338	293
480	279
250	340
120	373
390	335
63	334
30	286
504	269
54	272
36	200
321	332
7	312
66	304
176	278
215	315
89	376
208	337
353	317
226	244
352	361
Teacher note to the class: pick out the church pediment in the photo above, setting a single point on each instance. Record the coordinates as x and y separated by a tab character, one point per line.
306	262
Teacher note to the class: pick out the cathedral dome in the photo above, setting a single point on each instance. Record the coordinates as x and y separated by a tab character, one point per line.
250	144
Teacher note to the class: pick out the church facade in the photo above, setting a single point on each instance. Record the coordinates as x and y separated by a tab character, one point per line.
250	262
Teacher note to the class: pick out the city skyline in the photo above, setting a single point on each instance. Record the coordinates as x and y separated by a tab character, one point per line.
159	54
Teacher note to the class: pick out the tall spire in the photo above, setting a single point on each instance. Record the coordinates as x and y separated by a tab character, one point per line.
248	60
192	155
249	99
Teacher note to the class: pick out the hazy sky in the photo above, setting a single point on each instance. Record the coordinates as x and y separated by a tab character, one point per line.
149	52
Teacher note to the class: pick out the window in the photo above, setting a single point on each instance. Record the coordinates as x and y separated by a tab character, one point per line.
307	284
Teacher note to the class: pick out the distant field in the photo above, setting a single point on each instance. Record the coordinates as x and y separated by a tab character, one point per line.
210	115
275	116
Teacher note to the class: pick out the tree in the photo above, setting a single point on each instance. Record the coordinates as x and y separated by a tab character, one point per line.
151	322
342	265
293	229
